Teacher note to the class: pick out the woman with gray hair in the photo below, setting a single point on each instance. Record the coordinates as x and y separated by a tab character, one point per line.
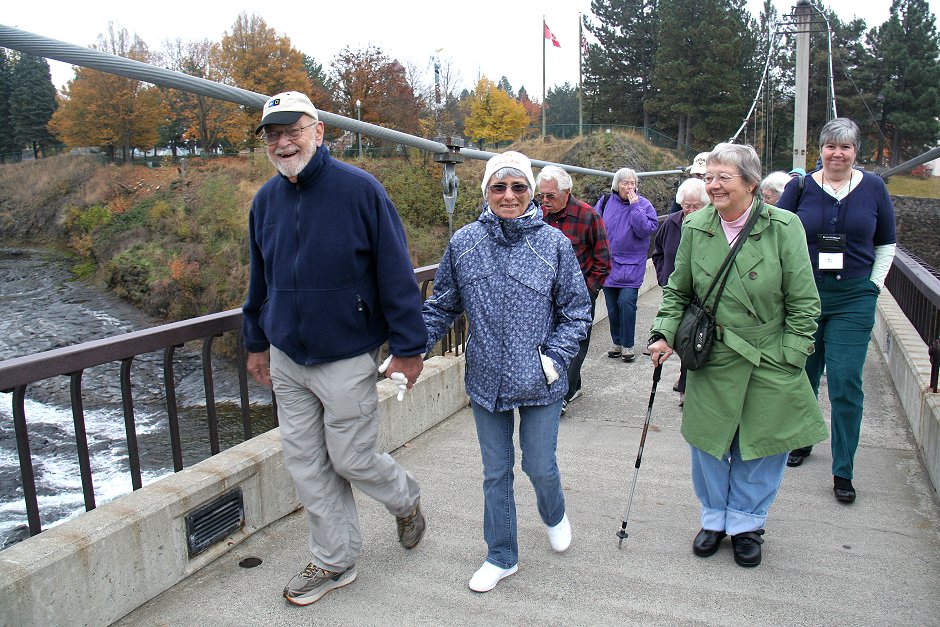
527	307
772	186
630	221
850	230
751	400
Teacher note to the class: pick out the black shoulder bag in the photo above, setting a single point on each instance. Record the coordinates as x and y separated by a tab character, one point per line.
696	332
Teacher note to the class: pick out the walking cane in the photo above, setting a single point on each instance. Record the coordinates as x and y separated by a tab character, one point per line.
639	456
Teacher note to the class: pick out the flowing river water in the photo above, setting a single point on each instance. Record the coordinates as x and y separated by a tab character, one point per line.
42	308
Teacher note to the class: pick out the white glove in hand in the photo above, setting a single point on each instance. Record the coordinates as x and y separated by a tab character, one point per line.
548	367
399	378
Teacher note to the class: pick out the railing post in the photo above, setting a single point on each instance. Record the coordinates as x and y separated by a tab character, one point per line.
26	460
81	439
934	352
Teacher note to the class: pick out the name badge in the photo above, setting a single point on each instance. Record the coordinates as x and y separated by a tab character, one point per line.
831	248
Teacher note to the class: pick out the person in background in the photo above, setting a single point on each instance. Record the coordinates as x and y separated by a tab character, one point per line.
751	400
695	171
527	308
331	281
691	196
850	231
585	230
797	172
630	220
772	186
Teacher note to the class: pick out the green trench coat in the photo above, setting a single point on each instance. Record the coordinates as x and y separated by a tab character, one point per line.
753	381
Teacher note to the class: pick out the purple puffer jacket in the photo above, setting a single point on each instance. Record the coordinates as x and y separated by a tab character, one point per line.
629	228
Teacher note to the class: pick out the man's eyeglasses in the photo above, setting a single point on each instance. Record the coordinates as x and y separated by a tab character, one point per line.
273	137
724	178
500	188
548	196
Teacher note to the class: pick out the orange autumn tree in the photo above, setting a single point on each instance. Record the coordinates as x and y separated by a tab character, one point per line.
109	111
380	85
208	120
254	57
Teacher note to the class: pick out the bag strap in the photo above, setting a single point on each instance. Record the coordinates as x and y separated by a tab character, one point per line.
725	270
604	199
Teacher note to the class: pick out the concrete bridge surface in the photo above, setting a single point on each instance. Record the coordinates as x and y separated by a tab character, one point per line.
875	562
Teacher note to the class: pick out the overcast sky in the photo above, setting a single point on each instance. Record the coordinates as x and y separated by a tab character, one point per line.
480	38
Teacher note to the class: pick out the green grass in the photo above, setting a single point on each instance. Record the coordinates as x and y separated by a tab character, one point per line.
914	186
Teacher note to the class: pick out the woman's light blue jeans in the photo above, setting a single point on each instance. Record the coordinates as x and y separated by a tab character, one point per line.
538	437
621	309
736	494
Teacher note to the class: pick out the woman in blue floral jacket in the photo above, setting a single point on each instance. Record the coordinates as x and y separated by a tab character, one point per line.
521	287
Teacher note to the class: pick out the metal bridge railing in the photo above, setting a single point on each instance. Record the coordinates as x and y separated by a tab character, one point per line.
916	288
16	375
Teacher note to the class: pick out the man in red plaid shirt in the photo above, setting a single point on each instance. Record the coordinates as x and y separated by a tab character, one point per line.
585	229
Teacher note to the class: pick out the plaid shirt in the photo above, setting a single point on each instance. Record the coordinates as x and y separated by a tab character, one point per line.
585	230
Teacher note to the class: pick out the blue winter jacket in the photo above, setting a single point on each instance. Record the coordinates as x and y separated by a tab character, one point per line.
521	286
330	273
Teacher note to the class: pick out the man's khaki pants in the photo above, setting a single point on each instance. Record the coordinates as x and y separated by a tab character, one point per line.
329	426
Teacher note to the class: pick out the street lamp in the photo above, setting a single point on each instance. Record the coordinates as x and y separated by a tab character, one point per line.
358	130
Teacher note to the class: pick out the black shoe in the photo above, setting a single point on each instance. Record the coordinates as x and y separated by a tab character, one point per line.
843	489
747	547
796	457
707	542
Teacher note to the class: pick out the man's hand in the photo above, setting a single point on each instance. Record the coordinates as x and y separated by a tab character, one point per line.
259	367
411	367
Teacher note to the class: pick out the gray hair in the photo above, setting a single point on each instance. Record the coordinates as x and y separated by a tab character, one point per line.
740	156
839	130
623	173
775	181
554	173
691	189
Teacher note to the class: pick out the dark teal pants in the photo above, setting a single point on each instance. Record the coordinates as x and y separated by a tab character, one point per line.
848	315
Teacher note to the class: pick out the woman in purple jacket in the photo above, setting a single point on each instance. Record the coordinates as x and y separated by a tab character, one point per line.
630	220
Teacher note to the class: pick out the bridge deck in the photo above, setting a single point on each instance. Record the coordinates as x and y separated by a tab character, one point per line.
876	562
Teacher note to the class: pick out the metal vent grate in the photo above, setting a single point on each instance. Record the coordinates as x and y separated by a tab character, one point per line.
213	521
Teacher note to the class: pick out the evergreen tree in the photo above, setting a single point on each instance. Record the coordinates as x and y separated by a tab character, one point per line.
561	110
703	90
7	144
619	69
32	103
910	94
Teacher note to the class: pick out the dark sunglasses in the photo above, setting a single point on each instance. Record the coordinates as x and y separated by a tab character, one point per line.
500	188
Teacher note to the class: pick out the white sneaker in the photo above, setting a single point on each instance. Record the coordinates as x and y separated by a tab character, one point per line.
560	535
486	578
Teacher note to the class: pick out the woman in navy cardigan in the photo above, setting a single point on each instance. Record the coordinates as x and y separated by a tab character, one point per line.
850	230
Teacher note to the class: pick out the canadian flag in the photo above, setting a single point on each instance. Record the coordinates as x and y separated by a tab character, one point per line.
549	35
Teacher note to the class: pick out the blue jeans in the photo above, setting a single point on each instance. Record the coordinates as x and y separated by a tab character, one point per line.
621	309
538	437
848	315
735	494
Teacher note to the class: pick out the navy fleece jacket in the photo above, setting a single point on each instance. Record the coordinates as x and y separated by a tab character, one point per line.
330	273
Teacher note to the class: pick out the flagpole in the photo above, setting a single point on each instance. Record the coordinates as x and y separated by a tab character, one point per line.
580	78
544	26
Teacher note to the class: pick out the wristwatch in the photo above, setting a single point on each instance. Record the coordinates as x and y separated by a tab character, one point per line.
655	337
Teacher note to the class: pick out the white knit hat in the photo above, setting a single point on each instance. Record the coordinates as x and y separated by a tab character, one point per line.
509	159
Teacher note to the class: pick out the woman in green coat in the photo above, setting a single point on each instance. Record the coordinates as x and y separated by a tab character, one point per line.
751	403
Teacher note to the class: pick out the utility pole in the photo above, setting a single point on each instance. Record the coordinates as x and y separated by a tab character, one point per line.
803	13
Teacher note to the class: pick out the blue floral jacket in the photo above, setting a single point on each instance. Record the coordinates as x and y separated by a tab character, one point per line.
522	289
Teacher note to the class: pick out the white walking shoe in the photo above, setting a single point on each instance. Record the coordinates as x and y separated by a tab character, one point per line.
486	578
560	535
